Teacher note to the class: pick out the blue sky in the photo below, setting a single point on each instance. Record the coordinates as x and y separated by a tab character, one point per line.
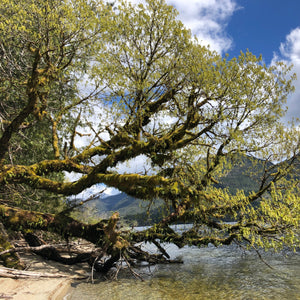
270	28
267	27
262	26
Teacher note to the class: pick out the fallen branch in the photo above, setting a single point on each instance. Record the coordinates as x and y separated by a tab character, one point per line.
135	274
18	274
259	255
27	249
161	249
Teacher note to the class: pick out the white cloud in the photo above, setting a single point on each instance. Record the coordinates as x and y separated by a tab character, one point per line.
110	192
89	192
291	47
290	52
137	165
207	19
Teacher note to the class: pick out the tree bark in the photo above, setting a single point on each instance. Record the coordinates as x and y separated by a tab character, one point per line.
10	260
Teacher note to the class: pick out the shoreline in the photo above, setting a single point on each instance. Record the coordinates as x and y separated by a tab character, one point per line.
42	288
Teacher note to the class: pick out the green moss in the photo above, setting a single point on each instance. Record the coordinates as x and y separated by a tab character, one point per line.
10	260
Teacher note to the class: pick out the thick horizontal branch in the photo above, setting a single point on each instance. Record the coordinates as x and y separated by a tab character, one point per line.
191	237
102	234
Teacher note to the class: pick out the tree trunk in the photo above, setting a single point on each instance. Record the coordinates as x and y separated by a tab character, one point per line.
10	260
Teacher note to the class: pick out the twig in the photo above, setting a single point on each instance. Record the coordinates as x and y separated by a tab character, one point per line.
6	296
93	265
161	249
259	255
135	274
92	197
117	272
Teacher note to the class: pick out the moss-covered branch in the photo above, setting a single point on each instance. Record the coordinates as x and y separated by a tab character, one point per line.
102	234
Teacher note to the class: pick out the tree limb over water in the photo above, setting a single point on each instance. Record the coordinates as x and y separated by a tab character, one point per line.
90	88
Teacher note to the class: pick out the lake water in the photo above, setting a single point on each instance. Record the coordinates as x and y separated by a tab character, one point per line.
226	272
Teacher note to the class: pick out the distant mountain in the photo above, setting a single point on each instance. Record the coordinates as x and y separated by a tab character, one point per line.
119	202
124	204
244	175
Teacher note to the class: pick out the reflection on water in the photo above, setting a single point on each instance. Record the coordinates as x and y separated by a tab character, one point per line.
207	273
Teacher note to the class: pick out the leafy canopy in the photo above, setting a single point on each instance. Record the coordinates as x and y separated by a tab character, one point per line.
101	85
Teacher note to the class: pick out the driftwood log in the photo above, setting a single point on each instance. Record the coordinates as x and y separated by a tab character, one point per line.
21	274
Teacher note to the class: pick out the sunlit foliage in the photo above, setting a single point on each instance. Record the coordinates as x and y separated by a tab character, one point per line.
89	86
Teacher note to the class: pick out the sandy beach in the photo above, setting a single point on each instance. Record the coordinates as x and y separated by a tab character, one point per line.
41	288
34	289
